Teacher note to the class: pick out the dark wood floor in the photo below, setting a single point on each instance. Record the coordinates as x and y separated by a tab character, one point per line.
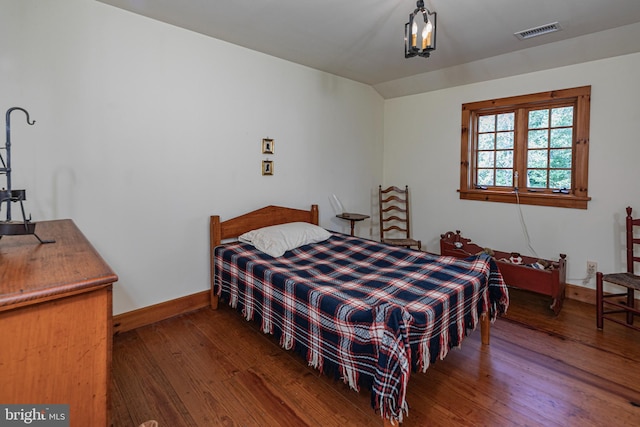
210	368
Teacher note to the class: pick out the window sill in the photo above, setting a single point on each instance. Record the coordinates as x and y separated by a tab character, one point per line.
527	198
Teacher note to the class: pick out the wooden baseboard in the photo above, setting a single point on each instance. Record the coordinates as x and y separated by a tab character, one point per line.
580	293
583	294
155	313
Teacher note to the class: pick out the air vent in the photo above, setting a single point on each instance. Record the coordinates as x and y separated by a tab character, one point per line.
538	31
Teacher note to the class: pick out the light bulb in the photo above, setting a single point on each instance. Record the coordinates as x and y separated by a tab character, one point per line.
414	34
426	35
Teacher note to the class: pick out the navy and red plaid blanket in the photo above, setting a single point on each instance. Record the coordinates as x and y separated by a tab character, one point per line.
372	311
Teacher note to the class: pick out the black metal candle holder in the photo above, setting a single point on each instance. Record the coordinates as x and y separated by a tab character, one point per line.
10	196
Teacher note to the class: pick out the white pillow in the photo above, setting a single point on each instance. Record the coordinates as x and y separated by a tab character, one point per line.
277	239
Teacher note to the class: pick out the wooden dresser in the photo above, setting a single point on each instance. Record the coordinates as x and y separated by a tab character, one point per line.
56	322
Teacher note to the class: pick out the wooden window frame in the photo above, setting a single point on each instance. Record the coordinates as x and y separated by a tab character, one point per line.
577	196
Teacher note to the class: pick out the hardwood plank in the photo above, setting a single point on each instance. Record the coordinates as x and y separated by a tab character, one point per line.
469	384
263	401
203	375
215	368
143	385
157	312
303	384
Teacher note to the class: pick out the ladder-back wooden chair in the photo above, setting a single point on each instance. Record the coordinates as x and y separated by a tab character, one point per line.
395	226
623	301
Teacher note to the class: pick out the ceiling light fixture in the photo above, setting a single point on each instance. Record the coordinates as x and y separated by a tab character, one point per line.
427	34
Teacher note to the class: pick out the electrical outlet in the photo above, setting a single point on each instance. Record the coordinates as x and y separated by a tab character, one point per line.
592	267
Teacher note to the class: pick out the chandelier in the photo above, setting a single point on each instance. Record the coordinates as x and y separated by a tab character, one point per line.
427	42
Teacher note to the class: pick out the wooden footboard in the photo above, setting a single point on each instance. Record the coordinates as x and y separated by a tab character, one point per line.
264	217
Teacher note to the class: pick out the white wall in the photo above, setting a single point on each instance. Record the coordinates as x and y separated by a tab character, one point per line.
422	149
143	130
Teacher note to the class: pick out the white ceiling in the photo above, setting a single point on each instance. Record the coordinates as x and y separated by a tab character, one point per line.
363	40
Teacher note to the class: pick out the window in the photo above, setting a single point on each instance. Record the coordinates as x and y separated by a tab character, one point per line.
530	149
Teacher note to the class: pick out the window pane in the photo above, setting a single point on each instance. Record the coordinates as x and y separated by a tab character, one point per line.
537	159
506	121
538	139
538	119
560	159
504	159
536	135
560	179
561	137
485	159
486	141
485	176
537	178
505	140
504	177
562	117
487	123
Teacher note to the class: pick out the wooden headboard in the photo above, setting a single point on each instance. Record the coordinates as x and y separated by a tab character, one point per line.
234	227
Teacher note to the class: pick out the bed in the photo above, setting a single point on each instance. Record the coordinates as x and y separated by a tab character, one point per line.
368	312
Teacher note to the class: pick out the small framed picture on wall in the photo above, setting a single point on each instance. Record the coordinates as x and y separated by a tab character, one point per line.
267	146
267	167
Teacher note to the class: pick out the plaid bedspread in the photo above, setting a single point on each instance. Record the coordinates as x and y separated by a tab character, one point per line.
372	311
